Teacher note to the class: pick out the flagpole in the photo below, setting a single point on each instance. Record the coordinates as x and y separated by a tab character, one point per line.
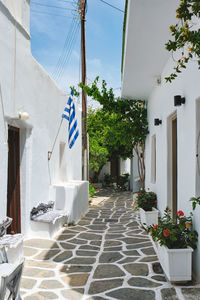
51	152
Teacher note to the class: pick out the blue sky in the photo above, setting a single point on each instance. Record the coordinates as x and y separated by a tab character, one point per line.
52	26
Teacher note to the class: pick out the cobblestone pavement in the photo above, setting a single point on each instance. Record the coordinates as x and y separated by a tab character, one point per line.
107	255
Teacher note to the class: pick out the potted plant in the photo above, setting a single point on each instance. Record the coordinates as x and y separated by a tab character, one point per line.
175	243
147	203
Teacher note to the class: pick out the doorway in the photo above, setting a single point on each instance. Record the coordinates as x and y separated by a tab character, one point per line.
13	186
174	172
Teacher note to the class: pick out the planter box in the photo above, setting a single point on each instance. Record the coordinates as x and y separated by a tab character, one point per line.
176	263
149	218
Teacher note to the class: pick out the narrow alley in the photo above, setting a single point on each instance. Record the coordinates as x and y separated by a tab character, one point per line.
107	255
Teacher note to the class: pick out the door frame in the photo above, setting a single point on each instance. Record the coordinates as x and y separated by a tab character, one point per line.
16	224
172	164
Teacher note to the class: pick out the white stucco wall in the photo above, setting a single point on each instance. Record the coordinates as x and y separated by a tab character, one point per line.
161	105
27	87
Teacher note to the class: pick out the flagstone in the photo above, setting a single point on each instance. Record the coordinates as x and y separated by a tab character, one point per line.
50	284
27	283
140	245
107	271
90	236
97	227
137	269
109	257
95	243
35	272
73	294
131	253
159	278
191	293
132	294
67	246
78	228
112	243
81	261
149	251
42	296
134	240
170	294
65	237
157	268
75	279
40	264
113	236
67	269
86	253
142	282
41	243
30	251
47	254
149	259
104	285
78	241
63	256
112	249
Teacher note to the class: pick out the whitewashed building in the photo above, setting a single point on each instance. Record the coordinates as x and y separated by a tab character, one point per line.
172	147
27	177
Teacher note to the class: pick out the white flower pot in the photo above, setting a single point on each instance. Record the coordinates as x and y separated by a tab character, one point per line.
176	263
149	218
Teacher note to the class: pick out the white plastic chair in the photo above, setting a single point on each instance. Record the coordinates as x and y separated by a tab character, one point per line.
10	276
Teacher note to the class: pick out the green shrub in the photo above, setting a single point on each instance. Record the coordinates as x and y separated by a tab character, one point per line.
147	200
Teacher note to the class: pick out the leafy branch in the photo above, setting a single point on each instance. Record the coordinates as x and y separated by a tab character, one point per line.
186	36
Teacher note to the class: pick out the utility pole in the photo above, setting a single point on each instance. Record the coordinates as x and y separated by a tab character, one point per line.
85	175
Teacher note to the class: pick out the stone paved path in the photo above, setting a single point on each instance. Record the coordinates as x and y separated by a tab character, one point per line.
107	255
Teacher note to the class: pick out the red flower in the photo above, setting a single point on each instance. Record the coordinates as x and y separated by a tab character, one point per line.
155	201
145	201
166	232
180	213
169	208
155	227
139	193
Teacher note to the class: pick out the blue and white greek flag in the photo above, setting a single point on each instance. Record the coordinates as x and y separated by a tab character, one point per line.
70	115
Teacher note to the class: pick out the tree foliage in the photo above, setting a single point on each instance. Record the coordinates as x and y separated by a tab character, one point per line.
120	126
186	36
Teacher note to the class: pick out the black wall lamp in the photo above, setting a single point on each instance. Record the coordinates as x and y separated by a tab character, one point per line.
178	100
157	122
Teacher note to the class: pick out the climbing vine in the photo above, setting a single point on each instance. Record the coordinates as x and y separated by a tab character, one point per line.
186	36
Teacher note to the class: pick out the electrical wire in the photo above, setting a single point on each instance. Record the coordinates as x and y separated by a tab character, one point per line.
66	50
51	6
50	14
68	54
112	6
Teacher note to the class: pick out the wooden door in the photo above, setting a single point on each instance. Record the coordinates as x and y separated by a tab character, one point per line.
174	166
114	168
13	190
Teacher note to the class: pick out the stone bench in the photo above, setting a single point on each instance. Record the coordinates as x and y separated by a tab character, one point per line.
47	219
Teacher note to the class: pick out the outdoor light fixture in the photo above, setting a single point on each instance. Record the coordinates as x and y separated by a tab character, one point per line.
157	122
178	100
23	115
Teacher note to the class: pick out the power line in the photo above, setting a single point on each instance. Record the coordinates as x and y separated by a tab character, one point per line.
67	50
53	6
112	6
50	14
